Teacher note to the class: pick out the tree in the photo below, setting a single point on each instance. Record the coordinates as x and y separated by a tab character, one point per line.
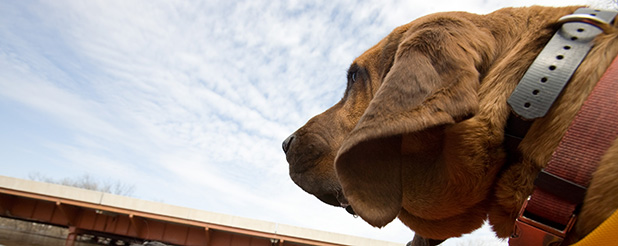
86	181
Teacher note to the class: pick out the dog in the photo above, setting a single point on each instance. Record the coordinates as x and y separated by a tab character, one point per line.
419	132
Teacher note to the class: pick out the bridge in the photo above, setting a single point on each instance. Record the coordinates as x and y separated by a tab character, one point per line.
97	213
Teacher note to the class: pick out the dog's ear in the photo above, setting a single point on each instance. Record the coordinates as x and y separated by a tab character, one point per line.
431	85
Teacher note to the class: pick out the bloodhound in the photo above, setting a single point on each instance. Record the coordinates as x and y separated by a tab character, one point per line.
419	132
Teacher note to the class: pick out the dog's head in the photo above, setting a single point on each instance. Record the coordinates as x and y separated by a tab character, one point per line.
404	140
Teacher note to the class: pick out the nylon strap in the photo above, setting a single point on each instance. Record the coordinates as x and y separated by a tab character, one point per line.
554	66
591	133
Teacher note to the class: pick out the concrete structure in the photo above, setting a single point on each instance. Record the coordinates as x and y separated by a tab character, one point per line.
98	213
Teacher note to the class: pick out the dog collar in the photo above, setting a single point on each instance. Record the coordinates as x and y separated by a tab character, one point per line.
549	213
554	66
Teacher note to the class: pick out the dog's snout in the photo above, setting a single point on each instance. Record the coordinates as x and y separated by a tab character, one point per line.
287	143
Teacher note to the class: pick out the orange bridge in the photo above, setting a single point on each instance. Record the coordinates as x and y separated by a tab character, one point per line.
98	213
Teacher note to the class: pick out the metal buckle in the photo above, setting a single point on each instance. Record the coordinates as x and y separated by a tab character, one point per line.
531	232
588	19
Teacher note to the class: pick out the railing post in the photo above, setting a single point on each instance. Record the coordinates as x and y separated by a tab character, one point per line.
71	237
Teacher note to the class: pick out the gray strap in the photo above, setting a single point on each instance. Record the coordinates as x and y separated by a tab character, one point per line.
554	66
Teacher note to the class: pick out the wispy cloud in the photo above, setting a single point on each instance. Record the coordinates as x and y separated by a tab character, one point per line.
189	101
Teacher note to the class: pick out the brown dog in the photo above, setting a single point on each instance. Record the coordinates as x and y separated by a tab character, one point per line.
419	132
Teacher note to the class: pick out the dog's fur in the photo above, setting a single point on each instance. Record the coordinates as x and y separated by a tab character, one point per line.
419	132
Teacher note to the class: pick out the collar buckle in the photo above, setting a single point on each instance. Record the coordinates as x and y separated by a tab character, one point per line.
529	231
605	26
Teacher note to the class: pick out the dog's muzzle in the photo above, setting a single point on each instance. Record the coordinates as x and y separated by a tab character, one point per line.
334	198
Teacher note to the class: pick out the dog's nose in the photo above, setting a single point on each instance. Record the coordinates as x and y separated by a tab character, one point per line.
287	143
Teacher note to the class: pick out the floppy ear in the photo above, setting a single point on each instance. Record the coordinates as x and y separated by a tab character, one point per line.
431	85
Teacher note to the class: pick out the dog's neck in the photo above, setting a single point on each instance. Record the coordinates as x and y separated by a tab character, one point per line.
532	99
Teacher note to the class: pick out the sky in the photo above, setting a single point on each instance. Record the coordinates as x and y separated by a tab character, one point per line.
189	101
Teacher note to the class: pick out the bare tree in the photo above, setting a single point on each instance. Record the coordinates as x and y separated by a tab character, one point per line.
88	182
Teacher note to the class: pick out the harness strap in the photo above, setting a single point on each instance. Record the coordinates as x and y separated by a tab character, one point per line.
547	216
588	137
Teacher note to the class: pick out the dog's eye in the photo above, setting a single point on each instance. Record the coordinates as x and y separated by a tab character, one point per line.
354	75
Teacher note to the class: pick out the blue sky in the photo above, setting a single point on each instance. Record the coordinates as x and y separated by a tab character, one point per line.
189	101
